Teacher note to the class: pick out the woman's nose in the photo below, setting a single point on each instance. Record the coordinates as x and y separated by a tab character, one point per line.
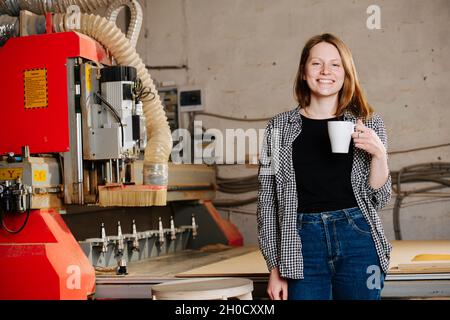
325	69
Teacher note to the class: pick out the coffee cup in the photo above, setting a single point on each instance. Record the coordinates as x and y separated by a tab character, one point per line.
340	133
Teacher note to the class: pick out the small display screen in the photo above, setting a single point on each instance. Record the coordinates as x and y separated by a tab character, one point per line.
190	98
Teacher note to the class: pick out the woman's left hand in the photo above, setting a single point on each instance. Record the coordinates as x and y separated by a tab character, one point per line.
367	140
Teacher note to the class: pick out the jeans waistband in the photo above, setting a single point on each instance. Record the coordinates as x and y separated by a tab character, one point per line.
347	213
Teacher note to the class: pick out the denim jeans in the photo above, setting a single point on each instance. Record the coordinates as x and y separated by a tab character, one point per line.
339	258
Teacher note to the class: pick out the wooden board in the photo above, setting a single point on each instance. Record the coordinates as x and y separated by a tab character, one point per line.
253	265
405	251
248	265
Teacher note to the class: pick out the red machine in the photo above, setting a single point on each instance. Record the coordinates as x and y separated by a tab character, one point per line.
39	117
73	123
42	261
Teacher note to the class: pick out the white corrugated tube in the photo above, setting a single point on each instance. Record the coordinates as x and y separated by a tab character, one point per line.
159	144
13	7
135	21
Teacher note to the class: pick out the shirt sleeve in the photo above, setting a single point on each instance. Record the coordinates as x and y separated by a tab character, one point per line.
380	197
267	205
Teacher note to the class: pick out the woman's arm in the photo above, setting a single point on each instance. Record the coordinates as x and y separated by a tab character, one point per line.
267	211
379	171
374	142
267	206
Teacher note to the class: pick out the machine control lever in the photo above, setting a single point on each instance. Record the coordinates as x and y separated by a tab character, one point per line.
135	237
173	232
194	227
160	231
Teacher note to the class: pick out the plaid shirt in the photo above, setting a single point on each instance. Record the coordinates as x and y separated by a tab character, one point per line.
278	238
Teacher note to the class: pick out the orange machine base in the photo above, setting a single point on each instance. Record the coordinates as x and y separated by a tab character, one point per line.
43	261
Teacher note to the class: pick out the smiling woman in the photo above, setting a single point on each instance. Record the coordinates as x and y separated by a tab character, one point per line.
318	226
324	73
326	58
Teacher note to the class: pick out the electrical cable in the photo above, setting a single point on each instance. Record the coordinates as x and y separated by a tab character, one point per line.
420	148
215	115
234	203
113	111
2	217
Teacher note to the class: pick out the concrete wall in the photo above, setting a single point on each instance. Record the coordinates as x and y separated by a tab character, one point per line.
245	53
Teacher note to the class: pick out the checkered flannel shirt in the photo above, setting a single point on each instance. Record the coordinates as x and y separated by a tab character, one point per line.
278	238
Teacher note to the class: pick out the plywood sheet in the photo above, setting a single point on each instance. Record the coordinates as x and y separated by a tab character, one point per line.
404	253
247	265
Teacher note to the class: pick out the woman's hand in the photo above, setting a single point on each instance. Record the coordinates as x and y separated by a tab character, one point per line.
368	140
277	287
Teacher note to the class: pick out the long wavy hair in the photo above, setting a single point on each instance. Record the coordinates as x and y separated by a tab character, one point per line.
351	96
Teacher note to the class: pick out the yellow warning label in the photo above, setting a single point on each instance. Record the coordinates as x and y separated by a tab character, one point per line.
10	173
39	175
35	86
88	77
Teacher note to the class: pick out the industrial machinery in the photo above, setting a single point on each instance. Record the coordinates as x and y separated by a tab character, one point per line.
82	125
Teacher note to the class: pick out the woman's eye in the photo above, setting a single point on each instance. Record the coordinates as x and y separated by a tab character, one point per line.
336	65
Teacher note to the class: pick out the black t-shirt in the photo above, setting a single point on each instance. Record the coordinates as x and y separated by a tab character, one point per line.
323	178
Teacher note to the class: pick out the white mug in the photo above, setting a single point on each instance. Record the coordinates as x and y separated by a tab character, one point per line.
340	133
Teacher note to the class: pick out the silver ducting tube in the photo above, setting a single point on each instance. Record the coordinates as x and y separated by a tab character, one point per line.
159	144
9	7
13	7
136	17
9	27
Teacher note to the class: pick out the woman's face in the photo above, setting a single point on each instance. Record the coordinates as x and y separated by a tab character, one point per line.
324	71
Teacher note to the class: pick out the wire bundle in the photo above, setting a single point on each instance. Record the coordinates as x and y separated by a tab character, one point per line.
140	92
433	172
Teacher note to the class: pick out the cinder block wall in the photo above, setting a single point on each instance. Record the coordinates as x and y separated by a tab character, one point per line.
244	53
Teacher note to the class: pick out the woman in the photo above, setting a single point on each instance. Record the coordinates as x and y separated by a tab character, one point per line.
318	227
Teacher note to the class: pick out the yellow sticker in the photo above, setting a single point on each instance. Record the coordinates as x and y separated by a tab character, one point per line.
88	78
35	86
10	173
39	175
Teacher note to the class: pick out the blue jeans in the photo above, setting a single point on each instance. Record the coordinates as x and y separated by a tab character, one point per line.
339	258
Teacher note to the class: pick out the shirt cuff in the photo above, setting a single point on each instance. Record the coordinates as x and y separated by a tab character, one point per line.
383	189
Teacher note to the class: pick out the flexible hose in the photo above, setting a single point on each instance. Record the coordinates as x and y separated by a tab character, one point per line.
9	7
9	27
135	25
159	143
13	7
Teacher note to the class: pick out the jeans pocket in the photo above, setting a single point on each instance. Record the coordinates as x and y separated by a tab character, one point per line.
359	224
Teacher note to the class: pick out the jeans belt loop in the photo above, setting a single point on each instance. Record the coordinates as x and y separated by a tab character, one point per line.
347	214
